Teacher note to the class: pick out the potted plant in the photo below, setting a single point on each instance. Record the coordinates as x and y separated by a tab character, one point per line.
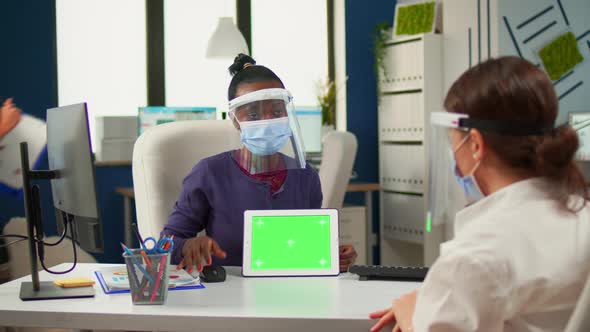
326	96
381	35
416	18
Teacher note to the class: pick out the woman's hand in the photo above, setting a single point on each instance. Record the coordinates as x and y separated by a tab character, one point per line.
197	249
401	312
9	117
347	257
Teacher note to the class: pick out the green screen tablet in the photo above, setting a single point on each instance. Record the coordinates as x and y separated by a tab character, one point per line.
290	242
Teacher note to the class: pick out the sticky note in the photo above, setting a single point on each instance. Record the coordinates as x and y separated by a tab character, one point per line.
74	282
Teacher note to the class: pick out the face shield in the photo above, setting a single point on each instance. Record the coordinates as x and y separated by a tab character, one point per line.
269	132
449	190
441	169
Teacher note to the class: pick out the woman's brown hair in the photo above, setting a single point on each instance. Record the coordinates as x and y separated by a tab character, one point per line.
514	91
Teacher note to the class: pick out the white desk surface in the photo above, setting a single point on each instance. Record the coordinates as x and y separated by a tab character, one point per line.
246	304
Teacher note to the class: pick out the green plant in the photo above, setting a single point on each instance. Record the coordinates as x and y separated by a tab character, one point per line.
561	55
381	36
415	19
326	97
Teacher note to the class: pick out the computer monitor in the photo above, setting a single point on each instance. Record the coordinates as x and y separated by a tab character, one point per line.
310	123
74	196
74	192
580	121
151	116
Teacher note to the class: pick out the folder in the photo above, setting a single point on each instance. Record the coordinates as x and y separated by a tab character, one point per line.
122	285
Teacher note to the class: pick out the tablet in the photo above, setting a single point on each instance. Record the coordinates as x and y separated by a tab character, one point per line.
290	243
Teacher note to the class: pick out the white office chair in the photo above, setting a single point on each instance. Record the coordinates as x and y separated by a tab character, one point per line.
580	320
339	150
164	155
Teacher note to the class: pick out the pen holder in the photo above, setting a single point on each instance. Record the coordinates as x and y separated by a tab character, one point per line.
148	276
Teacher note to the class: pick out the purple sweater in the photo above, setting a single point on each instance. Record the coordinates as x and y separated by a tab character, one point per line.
215	195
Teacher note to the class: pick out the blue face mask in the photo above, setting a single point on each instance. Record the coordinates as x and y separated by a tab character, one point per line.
265	137
467	183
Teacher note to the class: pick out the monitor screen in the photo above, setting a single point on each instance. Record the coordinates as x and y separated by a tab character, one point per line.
74	192
310	123
581	124
151	116
290	242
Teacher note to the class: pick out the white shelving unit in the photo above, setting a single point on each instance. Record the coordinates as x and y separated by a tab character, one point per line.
410	88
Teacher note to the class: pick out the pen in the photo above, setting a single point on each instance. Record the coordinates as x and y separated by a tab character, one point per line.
133	272
142	287
160	274
139	266
146	259
167	246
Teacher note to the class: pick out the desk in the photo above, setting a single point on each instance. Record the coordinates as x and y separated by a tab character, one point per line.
241	304
367	188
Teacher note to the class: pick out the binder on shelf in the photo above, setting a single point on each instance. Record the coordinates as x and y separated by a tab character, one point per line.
403	217
404	68
402	117
403	168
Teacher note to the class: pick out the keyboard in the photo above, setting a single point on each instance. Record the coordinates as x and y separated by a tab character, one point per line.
394	273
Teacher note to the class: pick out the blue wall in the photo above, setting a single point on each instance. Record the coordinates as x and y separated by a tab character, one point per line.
28	73
362	17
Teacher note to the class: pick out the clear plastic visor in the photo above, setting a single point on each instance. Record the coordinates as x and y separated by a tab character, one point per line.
444	194
269	130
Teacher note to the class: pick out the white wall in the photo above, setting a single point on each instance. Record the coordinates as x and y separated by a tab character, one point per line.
340	62
462	15
101	56
577	13
191	78
290	38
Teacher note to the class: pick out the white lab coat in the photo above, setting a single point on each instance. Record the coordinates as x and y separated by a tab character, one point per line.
517	263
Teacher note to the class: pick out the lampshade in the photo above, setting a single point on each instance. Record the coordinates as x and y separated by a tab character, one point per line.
227	41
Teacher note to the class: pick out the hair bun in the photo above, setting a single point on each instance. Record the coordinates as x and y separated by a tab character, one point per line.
240	62
556	153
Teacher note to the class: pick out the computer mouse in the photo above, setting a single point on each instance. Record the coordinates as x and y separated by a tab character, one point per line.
212	273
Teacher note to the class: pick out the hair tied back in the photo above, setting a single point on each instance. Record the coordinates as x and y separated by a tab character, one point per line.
241	62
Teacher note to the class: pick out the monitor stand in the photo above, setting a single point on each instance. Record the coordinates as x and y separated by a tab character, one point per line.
49	291
36	290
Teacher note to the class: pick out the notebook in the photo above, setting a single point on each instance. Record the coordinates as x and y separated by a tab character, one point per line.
114	280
